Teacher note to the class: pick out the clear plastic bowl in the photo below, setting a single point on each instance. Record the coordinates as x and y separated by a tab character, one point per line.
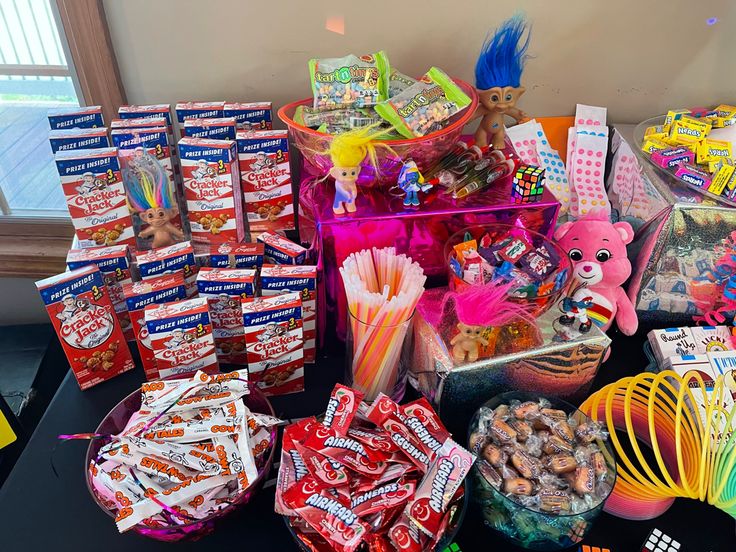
114	423
425	150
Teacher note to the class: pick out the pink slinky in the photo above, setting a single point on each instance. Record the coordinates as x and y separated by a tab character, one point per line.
486	305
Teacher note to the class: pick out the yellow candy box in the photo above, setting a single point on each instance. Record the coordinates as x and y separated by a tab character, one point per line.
672	116
721	179
688	130
651	145
725	116
713	150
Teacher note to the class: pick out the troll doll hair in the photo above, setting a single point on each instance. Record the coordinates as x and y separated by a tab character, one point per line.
486	305
503	55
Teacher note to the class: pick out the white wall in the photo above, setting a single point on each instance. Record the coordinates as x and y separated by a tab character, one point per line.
636	57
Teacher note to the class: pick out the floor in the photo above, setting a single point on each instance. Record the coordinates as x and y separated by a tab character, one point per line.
28	176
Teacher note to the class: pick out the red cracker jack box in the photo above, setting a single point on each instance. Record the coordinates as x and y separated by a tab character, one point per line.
198	110
138	295
279	250
212	190
275	344
155	112
78	138
224	289
181	337
236	255
95	196
177	258
82	314
221	128
278	279
140	123
263	157
250	116
114	263
76	117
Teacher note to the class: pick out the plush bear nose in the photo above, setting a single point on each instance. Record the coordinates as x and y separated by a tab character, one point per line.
587	268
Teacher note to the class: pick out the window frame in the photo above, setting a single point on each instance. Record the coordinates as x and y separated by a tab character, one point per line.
36	246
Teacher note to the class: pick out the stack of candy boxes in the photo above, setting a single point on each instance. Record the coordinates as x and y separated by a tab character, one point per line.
683	146
212	276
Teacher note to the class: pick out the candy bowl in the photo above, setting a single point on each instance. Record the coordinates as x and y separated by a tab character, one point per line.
185	527
554	507
424	150
534	261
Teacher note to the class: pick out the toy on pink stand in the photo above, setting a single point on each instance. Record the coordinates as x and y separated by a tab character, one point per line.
597	249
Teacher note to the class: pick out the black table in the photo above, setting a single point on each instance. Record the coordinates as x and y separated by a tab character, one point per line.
39	511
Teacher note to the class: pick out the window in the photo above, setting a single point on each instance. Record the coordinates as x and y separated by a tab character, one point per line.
34	77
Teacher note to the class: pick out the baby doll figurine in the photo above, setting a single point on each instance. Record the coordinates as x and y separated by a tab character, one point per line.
498	80
465	344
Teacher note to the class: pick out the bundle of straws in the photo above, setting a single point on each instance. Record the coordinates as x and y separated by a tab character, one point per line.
691	436
382	290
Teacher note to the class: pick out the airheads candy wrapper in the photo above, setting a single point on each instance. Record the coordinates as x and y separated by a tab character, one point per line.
93	187
278	279
76	117
349	81
222	128
177	258
82	314
341	408
265	173
197	110
224	288
423	107
181	337
250	116
78	138
275	344
236	255
114	263
425	424
212	190
279	250
693	176
138	295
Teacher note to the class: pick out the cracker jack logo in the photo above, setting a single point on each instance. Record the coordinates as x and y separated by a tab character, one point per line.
94	197
182	348
205	184
274	345
264	174
84	325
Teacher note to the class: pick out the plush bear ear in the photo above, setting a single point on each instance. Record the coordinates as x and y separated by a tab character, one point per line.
562	229
625	230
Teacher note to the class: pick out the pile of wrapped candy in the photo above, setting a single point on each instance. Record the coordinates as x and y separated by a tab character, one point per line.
508	257
191	450
383	475
685	146
358	91
542	458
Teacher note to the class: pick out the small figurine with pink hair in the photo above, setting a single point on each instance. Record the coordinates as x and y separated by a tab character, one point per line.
479	307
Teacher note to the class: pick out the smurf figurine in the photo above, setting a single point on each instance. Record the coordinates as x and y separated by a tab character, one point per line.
412	182
498	80
577	309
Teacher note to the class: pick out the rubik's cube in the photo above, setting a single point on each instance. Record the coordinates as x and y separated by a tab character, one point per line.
586	548
528	185
657	541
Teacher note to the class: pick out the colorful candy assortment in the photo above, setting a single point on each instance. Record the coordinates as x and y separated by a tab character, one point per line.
386	475
350	80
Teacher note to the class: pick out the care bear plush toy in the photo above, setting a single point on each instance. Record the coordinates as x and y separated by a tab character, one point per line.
597	250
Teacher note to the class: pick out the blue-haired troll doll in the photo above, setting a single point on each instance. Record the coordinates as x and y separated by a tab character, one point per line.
498	80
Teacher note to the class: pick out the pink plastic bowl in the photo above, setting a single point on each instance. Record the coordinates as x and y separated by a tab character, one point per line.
114	423
425	151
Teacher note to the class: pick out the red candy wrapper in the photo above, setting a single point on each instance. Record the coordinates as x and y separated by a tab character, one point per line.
402	438
444	477
425	424
330	517
405	535
341	408
347	451
388	496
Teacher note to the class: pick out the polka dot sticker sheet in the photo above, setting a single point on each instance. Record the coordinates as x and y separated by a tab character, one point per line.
586	170
524	141
590	115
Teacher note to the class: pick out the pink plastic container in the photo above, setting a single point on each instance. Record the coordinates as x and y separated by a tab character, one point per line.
425	151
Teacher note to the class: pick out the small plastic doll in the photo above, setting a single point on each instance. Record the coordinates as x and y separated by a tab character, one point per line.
347	151
498	80
412	182
150	195
480	308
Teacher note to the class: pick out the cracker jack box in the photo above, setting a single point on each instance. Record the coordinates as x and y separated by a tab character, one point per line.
222	128
250	116
275	343
212	190
177	258
181	337
76	117
114	263
236	255
155	112
224	289
93	187
197	110
78	138
138	295
140	123
278	279
263	157
279	250
82	314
